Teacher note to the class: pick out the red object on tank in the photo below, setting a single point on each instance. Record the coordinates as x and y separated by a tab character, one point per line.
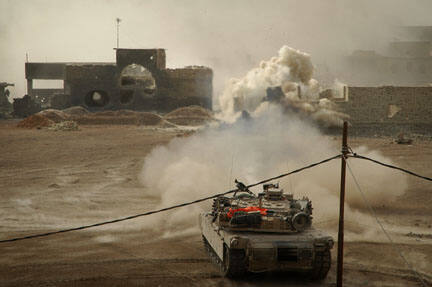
231	212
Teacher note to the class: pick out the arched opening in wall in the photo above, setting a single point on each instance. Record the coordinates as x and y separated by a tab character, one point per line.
97	98
137	77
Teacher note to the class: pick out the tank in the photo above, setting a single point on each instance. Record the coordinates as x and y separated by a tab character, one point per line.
270	231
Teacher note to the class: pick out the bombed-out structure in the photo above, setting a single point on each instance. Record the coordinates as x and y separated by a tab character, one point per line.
138	80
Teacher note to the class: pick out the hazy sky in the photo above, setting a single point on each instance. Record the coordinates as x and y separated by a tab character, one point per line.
229	36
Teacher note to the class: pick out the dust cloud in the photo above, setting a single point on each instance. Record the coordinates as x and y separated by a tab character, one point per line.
207	163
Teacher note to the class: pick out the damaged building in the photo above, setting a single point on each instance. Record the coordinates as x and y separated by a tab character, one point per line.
138	80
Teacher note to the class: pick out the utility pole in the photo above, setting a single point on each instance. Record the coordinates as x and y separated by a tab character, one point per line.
341	207
118	20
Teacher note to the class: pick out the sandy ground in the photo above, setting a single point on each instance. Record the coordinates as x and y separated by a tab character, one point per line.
51	180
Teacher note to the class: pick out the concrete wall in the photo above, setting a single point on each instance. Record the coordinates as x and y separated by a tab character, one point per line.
47	71
389	110
82	80
189	86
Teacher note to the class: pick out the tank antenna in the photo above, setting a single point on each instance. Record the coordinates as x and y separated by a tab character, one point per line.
341	206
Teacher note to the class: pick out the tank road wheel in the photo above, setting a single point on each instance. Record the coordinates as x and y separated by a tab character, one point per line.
234	263
321	265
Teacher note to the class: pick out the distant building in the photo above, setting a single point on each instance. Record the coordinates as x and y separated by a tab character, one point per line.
407	61
139	80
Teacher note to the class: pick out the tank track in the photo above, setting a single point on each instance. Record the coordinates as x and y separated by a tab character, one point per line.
211	253
235	268
322	265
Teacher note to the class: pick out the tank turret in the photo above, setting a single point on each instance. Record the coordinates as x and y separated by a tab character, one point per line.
270	211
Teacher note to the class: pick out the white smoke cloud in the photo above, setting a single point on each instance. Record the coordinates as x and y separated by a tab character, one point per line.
290	68
292	71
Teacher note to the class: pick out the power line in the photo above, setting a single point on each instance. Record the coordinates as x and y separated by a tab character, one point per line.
390	166
164	209
373	213
295	171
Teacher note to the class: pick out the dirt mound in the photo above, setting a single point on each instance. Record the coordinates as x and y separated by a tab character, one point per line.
119	118
191	115
76	111
105	114
35	121
149	119
54	115
166	124
126	112
81	116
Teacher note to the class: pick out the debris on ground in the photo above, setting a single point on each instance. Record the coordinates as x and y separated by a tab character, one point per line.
190	116
419	235
148	119
403	139
64	126
35	121
54	185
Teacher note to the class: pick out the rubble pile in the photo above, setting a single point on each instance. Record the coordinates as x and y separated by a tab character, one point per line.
64	126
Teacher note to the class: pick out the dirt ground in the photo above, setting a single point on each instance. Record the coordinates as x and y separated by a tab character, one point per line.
53	179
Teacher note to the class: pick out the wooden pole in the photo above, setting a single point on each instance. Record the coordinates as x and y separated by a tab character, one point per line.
341	207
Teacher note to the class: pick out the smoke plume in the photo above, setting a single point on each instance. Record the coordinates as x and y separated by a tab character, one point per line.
291	71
